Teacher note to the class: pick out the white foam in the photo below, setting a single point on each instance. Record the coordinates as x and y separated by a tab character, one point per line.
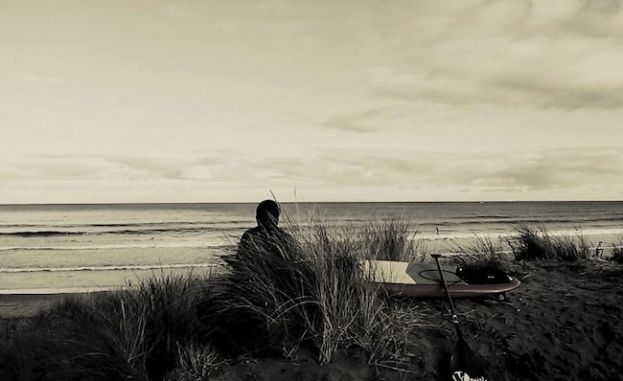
106	268
559	232
162	245
50	291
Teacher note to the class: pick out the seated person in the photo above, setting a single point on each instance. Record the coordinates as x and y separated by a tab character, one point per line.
267	237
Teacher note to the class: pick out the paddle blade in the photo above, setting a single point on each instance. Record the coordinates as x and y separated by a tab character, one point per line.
465	364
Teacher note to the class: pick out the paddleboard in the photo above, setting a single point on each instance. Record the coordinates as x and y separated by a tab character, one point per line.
423	280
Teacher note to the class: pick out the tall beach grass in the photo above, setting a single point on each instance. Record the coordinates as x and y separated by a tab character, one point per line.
309	294
484	252
305	296
126	334
617	252
393	240
537	243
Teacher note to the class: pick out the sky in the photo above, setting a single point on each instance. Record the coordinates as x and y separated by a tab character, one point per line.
227	101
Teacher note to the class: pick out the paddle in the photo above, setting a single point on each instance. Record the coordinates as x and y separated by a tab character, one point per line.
465	365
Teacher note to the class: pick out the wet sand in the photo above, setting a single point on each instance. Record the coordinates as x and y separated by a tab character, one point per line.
26	305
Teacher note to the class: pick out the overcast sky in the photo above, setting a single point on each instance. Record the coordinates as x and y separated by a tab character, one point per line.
181	101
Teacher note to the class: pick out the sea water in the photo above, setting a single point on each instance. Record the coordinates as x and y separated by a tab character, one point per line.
75	248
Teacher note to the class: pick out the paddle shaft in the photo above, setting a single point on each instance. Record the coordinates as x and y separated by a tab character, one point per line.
471	367
455	318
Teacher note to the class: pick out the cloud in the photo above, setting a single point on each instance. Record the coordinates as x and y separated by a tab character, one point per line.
371	174
42	80
549	170
104	168
521	172
143	167
52	169
361	121
556	169
534	54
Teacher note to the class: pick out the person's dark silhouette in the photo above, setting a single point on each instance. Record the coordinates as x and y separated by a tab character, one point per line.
265	251
267	237
267	255
599	250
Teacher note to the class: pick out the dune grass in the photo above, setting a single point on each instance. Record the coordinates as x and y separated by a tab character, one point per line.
392	240
536	243
483	253
308	294
303	296
196	363
617	253
126	334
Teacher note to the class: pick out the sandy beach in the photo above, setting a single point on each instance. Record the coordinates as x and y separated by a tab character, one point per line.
16	310
562	323
26	305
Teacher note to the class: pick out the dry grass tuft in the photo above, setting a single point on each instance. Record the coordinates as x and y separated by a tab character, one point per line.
536	243
482	254
617	253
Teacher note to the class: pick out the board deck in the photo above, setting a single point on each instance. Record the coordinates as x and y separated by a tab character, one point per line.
423	280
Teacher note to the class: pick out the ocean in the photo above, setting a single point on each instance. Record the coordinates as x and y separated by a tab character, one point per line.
78	248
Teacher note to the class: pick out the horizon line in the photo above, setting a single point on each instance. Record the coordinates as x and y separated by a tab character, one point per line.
300	202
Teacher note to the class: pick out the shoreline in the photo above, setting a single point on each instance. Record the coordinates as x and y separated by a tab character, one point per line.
15	306
24	305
